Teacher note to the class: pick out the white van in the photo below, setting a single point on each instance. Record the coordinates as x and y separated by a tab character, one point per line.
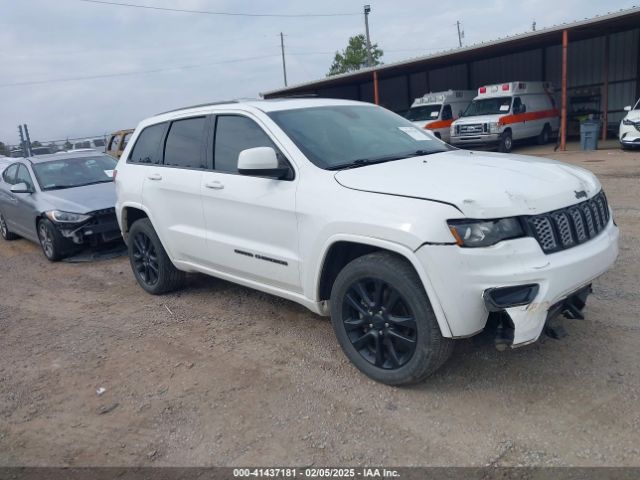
437	111
506	112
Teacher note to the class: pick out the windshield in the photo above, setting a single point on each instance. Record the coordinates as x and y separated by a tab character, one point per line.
488	106
426	112
74	172
340	136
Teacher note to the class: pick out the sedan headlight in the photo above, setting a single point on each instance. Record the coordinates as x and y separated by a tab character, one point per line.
628	122
66	217
494	127
483	233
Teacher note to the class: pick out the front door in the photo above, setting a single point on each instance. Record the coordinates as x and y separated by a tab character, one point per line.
251	222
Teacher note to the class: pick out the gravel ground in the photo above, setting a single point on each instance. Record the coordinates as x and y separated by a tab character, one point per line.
222	375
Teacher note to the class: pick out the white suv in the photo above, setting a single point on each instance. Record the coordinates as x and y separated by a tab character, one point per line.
349	210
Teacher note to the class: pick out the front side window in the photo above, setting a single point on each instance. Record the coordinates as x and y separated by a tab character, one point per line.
74	172
183	147
342	136
147	147
447	114
235	133
23	176
488	106
517	105
9	174
115	141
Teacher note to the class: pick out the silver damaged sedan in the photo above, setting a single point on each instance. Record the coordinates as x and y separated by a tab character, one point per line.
60	201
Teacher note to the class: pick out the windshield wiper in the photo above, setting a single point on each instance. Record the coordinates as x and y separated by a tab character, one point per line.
362	162
62	187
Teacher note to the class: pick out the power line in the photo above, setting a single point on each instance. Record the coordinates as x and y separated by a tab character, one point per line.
228	14
138	72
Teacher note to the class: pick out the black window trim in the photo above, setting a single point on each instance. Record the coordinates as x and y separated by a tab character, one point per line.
165	125
279	149
203	146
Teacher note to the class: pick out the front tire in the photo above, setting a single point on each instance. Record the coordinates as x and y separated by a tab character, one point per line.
54	246
506	142
384	322
150	263
7	234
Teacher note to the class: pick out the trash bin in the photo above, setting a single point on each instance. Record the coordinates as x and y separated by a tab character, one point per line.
589	133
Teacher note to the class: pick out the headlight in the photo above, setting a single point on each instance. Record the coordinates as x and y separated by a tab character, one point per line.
452	131
66	217
628	122
483	233
494	127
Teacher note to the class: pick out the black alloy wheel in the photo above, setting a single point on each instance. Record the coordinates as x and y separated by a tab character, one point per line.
379	323
145	259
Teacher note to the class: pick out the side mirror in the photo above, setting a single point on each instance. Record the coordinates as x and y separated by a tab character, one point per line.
260	162
20	188
627	108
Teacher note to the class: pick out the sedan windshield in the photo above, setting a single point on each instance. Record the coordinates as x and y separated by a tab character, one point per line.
74	172
488	106
344	136
426	112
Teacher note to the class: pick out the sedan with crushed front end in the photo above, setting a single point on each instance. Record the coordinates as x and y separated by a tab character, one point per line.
62	202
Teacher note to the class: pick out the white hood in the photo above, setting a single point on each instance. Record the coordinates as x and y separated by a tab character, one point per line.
480	184
480	119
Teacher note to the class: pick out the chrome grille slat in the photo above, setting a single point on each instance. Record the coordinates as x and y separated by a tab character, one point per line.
568	227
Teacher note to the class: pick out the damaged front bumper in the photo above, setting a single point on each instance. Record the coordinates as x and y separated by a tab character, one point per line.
102	227
469	283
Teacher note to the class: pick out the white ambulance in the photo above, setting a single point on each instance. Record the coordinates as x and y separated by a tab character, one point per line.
504	113
437	111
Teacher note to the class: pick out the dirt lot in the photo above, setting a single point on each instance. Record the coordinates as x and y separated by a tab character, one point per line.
222	375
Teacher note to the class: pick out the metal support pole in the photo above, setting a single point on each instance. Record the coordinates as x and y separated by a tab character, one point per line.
284	65
28	141
23	144
459	33
367	10
563	113
605	92
376	97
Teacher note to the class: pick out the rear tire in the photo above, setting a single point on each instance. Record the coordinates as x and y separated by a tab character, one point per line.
4	230
150	263
506	142
545	135
384	322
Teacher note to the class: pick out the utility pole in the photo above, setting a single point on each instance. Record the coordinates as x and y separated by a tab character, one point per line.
367	10
26	134
284	65
533	26
23	144
460	33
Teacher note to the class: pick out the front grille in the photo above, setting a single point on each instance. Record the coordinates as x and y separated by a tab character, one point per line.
571	226
470	129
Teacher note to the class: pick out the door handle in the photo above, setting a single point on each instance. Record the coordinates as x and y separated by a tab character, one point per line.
155	176
214	185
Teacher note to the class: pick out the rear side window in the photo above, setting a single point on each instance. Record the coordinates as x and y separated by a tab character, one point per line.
146	149
234	134
113	144
9	174
183	147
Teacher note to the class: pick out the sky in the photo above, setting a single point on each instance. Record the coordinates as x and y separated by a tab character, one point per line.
198	58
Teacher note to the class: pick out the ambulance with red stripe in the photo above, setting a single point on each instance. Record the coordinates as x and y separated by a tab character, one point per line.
437	111
507	112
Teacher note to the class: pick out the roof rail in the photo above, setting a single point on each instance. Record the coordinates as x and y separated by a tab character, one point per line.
209	104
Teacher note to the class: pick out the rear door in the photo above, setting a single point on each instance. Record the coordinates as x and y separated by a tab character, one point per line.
8	200
251	222
25	207
171	189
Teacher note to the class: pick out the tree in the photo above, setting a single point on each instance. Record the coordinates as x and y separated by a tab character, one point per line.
354	57
36	143
68	145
